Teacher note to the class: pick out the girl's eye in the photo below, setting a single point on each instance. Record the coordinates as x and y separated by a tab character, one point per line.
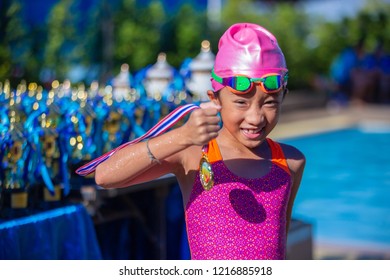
240	102
272	103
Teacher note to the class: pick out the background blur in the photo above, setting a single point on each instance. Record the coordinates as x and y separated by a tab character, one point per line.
88	40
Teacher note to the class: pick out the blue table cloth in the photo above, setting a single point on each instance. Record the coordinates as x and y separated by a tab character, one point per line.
65	233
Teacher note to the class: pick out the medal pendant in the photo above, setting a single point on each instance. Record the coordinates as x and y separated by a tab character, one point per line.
206	173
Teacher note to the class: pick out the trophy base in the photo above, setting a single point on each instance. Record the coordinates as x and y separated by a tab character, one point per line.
19	200
14	203
49	197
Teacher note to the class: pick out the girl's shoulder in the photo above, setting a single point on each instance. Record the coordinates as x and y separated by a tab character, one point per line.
295	158
291	151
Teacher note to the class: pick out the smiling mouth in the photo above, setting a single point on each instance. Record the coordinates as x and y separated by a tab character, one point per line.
252	133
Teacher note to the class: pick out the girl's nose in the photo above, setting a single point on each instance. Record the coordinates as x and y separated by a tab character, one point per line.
255	116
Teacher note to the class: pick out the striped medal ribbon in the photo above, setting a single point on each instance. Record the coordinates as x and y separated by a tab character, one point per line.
162	126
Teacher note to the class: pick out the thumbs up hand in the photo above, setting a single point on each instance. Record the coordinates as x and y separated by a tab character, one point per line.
203	124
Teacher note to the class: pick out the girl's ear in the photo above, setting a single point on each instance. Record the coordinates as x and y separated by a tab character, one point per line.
213	96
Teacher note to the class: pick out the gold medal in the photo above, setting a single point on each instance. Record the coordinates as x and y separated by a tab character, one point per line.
206	174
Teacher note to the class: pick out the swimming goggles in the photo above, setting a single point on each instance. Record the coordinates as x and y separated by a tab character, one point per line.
241	84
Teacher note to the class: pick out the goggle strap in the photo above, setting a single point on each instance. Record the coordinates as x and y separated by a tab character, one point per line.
216	78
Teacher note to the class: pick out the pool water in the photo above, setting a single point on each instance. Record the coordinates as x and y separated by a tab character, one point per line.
345	190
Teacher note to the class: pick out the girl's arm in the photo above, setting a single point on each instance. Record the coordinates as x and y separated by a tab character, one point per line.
296	162
133	164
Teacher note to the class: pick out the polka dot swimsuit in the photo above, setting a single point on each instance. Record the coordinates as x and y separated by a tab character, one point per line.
239	218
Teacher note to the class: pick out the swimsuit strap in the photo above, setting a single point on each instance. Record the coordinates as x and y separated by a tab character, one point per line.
278	157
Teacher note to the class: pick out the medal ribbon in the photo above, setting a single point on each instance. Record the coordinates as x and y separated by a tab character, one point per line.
162	126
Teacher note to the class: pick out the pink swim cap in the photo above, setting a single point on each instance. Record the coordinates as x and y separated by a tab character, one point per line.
247	49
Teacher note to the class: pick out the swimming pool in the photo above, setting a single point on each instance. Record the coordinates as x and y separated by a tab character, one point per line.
345	191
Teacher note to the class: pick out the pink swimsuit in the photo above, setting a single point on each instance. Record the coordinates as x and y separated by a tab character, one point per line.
239	218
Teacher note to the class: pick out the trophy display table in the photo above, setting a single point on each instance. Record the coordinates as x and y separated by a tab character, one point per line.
64	233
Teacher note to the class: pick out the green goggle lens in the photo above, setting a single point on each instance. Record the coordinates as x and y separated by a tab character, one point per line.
272	82
241	83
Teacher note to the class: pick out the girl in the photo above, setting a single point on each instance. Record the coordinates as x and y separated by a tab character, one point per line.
238	186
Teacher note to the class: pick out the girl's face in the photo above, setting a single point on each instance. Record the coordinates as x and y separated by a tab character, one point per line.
250	117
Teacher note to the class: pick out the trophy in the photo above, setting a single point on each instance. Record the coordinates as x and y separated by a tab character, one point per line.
116	124
158	77
51	154
200	71
14	161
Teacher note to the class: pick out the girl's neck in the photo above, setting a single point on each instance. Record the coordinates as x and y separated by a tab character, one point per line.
230	148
